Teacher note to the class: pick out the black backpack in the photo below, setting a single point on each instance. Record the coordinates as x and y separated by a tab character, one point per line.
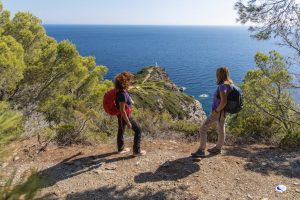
234	100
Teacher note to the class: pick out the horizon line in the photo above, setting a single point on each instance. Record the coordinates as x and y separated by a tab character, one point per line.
237	25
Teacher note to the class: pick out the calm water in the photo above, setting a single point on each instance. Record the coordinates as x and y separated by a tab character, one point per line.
190	55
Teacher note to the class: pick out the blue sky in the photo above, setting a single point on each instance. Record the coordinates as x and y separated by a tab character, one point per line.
135	12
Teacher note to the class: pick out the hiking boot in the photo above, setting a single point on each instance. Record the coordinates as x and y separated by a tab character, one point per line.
200	153
126	150
214	150
140	153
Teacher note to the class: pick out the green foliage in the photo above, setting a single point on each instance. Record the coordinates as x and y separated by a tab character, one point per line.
269	110
186	127
11	65
26	190
66	134
156	96
35	69
291	141
10	123
278	18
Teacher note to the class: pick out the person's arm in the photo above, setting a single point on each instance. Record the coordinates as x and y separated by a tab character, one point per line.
223	96
122	106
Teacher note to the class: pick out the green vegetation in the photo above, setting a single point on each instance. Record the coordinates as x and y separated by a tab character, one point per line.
158	95
44	76
156	125
50	77
26	189
276	18
270	113
41	75
10	123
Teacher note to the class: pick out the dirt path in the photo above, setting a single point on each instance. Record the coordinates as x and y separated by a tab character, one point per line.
148	75
166	172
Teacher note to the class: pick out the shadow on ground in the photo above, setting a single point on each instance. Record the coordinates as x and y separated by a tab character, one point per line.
170	171
71	167
269	160
129	192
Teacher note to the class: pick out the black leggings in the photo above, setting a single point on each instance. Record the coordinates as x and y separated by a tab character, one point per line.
137	134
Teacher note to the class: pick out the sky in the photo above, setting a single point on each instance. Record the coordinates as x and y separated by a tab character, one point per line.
129	12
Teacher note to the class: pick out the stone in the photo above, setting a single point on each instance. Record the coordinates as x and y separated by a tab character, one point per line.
295	183
110	167
264	163
286	163
249	196
97	171
297	190
16	158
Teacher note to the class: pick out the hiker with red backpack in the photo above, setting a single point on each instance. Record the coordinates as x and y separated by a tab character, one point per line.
228	99
117	102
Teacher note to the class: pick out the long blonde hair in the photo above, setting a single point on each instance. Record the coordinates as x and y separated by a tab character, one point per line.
223	75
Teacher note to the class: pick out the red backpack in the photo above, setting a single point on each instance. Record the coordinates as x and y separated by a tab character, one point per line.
109	103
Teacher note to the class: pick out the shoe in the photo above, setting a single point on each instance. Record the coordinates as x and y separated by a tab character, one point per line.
126	150
200	153
214	150
141	153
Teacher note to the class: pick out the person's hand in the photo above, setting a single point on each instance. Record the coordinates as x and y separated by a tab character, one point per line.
129	125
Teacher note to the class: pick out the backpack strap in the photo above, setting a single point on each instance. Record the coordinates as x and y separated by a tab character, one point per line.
229	87
126	100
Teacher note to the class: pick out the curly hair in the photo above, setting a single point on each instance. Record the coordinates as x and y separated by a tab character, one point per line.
123	80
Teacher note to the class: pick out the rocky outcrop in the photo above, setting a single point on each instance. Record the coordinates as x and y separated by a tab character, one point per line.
195	111
154	90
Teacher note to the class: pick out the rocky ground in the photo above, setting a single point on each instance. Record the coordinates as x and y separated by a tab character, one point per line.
166	172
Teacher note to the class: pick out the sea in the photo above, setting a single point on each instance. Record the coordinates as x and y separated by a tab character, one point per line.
189	54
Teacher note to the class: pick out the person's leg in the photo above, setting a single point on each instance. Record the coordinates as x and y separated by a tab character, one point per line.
121	130
137	135
221	132
212	118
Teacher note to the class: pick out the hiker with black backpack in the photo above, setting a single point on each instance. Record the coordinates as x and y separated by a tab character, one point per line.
227	99
117	102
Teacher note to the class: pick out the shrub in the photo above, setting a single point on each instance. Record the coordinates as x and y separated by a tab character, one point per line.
11	123
24	190
189	128
270	113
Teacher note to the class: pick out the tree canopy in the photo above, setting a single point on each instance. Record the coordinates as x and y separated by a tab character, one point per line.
278	18
50	77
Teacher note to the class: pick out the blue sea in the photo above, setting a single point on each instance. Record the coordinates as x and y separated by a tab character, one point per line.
189	54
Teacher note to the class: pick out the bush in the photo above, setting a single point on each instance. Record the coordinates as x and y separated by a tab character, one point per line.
67	134
24	190
11	123
291	141
270	113
189	128
152	123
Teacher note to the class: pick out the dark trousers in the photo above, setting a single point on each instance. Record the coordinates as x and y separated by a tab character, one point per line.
137	134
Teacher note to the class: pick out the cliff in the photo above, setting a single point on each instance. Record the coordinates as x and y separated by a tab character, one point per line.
154	90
